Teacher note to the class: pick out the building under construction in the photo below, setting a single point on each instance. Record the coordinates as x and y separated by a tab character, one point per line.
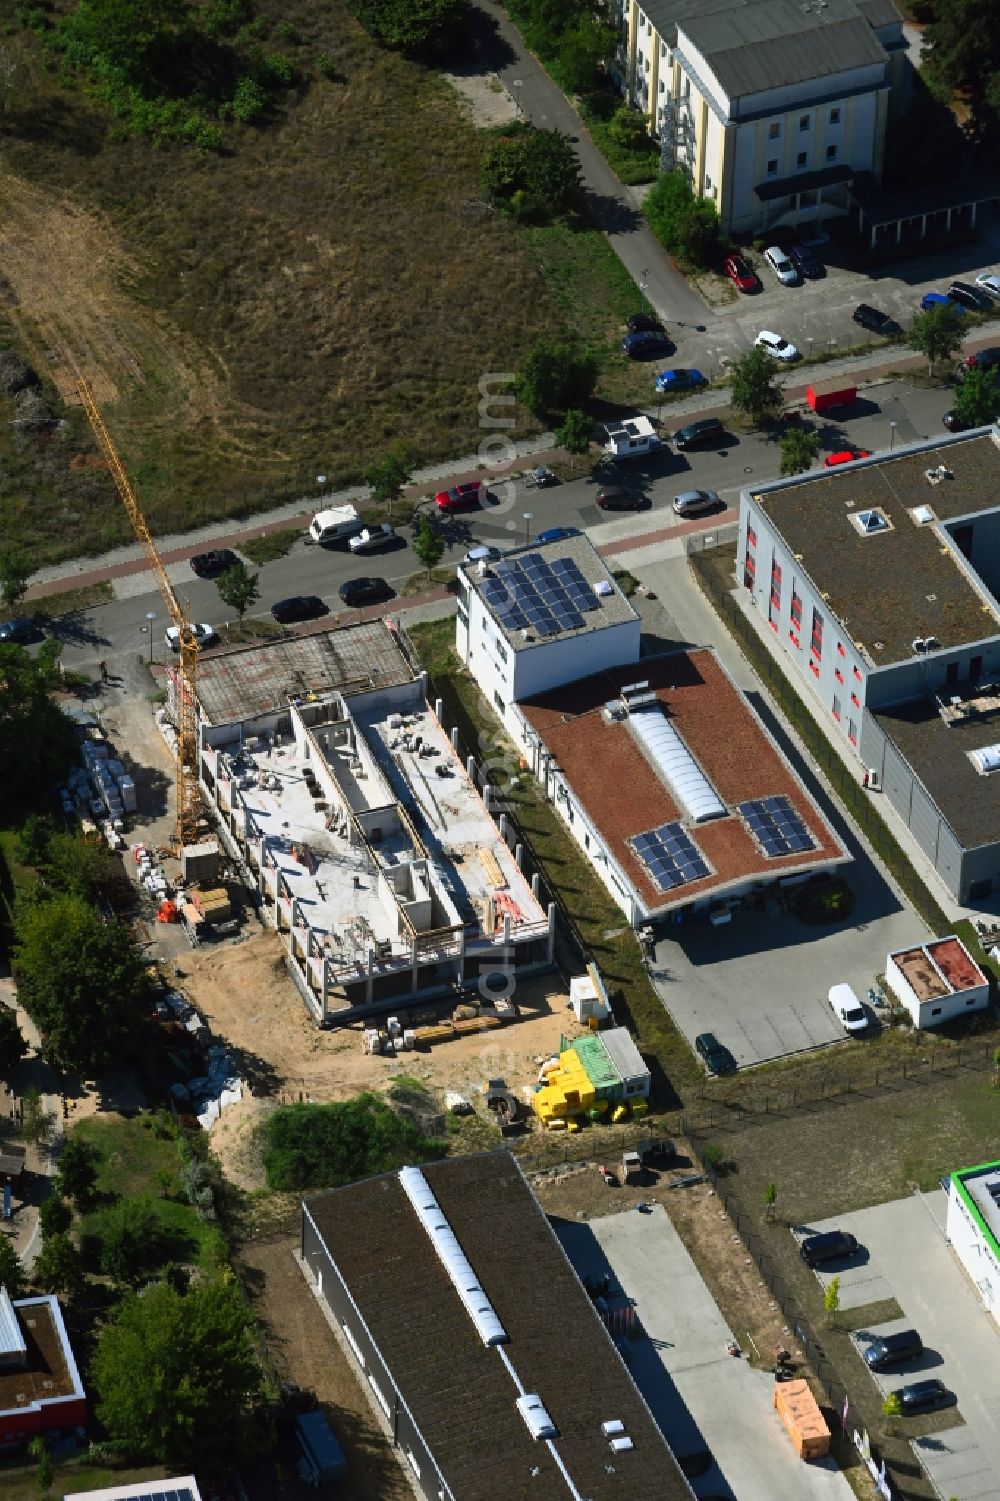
373	850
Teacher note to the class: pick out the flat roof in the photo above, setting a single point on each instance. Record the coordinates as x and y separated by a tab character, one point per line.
236	685
891	587
50	1370
459	1391
974	1184
726	739
937	754
173	1488
607	609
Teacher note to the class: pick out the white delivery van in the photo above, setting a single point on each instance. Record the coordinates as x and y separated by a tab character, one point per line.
335	524
848	1009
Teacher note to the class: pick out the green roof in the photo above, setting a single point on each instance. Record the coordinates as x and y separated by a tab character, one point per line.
958	1180
598	1066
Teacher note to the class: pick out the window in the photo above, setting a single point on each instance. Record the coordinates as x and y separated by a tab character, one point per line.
586	841
817	634
772	167
835	117
501	651
708	184
803	122
857	674
774	131
836	707
971	1001
499	702
751	537
838	674
935	1011
852	732
796	608
831	153
840	649
802	159
855	701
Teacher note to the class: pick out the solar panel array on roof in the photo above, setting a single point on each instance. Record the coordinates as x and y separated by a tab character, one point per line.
776	826
184	1494
536	594
671	856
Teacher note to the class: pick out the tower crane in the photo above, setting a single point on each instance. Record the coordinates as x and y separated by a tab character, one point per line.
188	798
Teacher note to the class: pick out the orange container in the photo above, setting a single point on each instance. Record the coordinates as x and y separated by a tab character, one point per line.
799	1411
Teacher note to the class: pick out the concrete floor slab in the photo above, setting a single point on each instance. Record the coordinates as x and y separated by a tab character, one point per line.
700	1395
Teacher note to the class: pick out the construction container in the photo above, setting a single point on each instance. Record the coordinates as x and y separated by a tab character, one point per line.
200	862
805	1424
826	396
321	1459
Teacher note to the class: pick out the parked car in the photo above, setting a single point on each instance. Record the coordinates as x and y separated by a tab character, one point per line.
848	1009
371	538
742	275
298	607
541	478
776	345
694	502
644	323
208	565
990	282
19	631
893	1349
875	321
954	423
706	430
831	1245
782	267
365	591
463	497
618	498
679	380
645	344
845	456
485	553
924	1396
203	634
558	534
938	299
717	1057
974	298
806	262
984	359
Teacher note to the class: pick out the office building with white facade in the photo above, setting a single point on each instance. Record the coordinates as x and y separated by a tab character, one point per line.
973	1228
772	108
879	583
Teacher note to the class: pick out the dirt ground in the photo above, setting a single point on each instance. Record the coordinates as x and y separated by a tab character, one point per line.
243	992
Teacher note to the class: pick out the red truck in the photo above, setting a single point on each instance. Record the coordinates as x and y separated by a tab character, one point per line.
824	398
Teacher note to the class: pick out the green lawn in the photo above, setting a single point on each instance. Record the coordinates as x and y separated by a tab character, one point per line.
267	546
18	1482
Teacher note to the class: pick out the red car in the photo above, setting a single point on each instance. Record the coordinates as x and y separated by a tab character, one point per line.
845	456
740	274
984	359
462	497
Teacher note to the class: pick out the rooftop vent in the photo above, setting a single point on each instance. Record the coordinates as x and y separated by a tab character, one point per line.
936	475
932	643
603	588
986	760
919	644
871	521
922	515
534	1413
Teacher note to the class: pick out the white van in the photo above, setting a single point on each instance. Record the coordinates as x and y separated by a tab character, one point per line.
335	524
848	1009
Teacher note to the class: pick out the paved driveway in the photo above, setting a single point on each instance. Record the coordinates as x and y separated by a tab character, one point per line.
700	1396
908	1252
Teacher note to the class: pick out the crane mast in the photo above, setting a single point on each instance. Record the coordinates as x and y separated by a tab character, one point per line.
188	798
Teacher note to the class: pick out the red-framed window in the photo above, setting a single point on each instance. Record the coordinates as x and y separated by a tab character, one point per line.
855	701
751	537
796	609
857	674
838	674
816	640
795	640
840	649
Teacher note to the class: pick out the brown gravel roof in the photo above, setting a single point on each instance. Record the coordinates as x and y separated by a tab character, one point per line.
45	1375
458	1391
623	795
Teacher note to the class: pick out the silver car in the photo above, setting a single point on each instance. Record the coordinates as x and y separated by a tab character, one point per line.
694	502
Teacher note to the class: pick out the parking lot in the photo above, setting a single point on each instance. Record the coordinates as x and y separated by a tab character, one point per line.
702	1398
906	1257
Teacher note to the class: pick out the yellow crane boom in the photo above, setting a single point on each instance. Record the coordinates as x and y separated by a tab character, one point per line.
188	800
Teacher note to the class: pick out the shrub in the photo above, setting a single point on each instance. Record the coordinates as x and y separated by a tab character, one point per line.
249	100
54	1215
322	1146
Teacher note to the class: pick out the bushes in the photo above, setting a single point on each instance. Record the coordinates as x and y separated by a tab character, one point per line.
323	1146
687	226
532	174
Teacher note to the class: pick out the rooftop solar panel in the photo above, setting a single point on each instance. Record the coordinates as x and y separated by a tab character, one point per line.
670	856
549	597
776	826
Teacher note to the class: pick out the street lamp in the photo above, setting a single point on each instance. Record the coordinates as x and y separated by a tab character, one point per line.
150	618
527	526
892	436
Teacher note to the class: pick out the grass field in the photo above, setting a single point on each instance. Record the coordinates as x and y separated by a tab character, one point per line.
18	1480
332	284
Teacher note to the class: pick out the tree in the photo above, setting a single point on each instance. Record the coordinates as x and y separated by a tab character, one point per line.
12	1044
831	1300
685	224
799	449
238	588
423	28
977	398
936	333
33	838
555	377
15	571
387	479
891	1410
428	545
770	1199
629	128
752	382
322	1146
133	41
573	434
197	1348
29	718
79	978
963	57
37	1123
130	1241
72	865
58	1267
77	1176
38	1449
582	51
532	174
11	1270
54	1215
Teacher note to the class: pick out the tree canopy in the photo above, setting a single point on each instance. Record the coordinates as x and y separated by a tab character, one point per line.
752	383
11	1270
238	588
12	1045
977	399
555	377
322	1146
423	28
79	978
428	544
36	740
532	174
799	450
137	40
937	333
174	1374
15	571
78	1162
685	224
963	58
